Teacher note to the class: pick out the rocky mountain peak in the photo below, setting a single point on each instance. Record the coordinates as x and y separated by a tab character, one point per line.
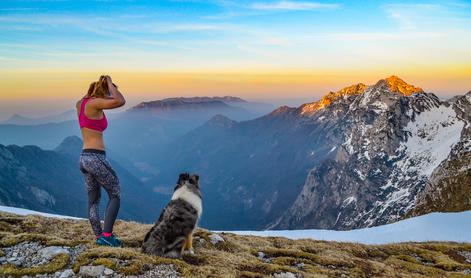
221	121
399	86
17	119
392	84
281	110
70	145
331	97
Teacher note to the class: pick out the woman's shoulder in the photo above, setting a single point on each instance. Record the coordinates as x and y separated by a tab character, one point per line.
78	104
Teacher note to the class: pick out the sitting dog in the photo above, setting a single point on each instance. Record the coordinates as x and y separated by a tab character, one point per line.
173	231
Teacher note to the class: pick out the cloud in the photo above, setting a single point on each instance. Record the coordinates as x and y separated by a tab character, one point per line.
406	15
292	6
432	16
105	26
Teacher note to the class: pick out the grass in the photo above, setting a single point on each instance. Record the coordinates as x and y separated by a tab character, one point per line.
237	256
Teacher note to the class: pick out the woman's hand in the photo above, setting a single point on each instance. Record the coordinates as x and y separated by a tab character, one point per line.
108	80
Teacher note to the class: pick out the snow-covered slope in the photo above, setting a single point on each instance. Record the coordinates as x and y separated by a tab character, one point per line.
21	211
430	227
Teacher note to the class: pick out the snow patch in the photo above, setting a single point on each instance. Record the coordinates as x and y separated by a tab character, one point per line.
21	211
434	132
348	201
360	174
348	144
468	97
431	227
379	107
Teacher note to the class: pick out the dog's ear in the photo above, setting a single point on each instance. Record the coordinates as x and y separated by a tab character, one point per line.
183	177
194	179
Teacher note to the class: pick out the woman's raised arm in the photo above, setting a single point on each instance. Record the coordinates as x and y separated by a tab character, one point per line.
115	100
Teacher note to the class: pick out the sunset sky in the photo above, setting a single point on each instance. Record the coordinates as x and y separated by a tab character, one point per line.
266	50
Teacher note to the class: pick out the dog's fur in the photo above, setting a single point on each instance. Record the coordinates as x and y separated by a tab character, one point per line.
173	231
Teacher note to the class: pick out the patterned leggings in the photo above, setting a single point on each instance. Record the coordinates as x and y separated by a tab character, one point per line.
98	172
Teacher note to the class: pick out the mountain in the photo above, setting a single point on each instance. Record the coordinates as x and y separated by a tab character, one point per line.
46	136
448	187
358	157
33	246
57	118
392	138
194	103
202	108
50	181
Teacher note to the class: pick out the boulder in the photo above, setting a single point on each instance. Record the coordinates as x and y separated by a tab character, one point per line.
91	271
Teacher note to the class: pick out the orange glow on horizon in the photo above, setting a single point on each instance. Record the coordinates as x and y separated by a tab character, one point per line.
251	84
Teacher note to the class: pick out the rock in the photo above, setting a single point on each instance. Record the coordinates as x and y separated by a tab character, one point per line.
108	271
215	238
15	260
284	275
91	271
261	255
52	251
467	271
300	265
163	270
67	273
466	255
199	240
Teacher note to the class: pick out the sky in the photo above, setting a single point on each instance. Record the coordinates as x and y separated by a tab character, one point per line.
279	51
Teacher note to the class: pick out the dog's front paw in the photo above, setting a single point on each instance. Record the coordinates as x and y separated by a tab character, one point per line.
173	255
190	251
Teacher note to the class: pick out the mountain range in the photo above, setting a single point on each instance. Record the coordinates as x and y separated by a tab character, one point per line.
363	156
17	119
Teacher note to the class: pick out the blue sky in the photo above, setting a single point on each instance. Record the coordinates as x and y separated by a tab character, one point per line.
195	35
254	49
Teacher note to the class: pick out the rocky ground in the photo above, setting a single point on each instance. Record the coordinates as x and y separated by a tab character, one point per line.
35	246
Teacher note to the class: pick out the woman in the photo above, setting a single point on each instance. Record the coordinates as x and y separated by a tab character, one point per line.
98	173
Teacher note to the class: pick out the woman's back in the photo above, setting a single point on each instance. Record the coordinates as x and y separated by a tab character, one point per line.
101	95
92	124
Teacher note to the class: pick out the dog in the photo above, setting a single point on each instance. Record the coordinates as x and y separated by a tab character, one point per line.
173	231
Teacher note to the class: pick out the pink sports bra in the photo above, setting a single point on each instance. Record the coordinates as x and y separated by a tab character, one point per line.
84	121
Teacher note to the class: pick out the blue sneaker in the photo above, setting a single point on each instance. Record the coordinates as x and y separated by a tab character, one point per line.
109	241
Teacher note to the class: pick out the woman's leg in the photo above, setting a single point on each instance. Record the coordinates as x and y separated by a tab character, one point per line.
107	178
94	194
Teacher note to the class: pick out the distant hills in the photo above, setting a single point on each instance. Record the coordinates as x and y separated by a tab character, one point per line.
22	120
50	181
189	103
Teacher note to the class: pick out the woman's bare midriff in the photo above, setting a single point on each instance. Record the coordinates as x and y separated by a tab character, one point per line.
92	139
